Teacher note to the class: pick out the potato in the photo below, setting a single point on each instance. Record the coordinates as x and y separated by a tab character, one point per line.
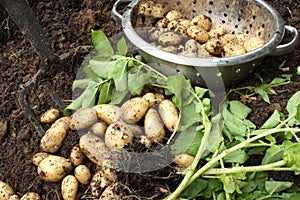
99	128
117	136
54	168
5	191
83	118
133	110
198	34
69	188
170	38
149	8
169	114
184	160
54	138
233	50
77	157
49	116
184	22
14	197
153	98
154	127
155	33
107	113
109	173
133	128
202	21
63	121
242	37
145	141
214	46
216	31
253	43
82	174
94	148
109	193
229	39
98	183
31	196
162	23
173	15
38	157
170	49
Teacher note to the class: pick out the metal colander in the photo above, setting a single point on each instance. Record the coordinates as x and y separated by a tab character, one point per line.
254	17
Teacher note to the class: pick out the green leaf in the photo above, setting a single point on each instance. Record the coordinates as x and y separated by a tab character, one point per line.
272	121
273	154
194	189
215	137
189	116
239	156
238	109
90	74
298	70
105	92
293	108
137	81
90	96
277	186
292	155
101	43
82	83
122	47
118	96
99	67
263	93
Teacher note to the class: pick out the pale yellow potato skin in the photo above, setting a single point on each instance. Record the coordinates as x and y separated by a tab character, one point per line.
14	197
5	191
31	196
49	116
154	127
108	193
133	110
54	168
173	15
77	157
83	118
184	160
94	148
98	182
107	113
69	187
169	114
82	174
38	157
117	136
99	128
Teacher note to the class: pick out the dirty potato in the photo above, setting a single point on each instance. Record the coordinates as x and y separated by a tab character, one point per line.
233	50
216	31
202	21
174	15
154	127
31	196
82	174
170	38
133	110
253	43
107	113
98	182
49	116
94	148
77	157
54	168
99	128
214	46
38	157
162	23
69	187
83	118
110	193
169	114
14	197
184	160
198	34
5	191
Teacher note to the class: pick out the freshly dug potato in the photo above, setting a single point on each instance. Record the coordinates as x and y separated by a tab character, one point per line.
170	49
98	183
184	160
117	136
253	43
54	168
242	37
170	38
69	187
216	31
77	157
82	174
31	196
5	191
54	137
153	98
49	116
202	21
229	39
109	173
38	157
83	118
133	110
109	193
94	148
133	128
145	141
174	15
169	114
155	33
198	34
214	46
107	113
99	128
184	22
151	9
154	127
14	197
162	23
233	50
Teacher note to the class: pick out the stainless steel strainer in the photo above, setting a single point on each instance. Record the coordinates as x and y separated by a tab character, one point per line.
254	17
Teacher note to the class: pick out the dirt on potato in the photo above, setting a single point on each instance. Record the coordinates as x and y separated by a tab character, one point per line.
67	25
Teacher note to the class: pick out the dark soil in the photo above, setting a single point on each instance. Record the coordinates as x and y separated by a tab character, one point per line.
67	24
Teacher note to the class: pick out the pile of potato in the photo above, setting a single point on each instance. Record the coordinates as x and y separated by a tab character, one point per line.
104	128
196	37
7	193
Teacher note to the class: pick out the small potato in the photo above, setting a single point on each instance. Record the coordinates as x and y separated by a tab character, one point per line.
145	141
153	98
149	8
155	33
94	148
38	157
5	191
133	128
154	127
117	136
14	197
170	49
242	37
98	183
233	50
216	31
63	121
173	15
31	196
109	173
107	113
54	138
184	22
169	114
54	168
69	188
162	23
133	110
198	34
110	193
77	157
214	46
169	38
50	116
202	21
184	160
99	128
83	118
229	39
253	43
82	174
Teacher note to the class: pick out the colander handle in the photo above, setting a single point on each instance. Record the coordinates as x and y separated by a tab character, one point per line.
288	47
114	13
